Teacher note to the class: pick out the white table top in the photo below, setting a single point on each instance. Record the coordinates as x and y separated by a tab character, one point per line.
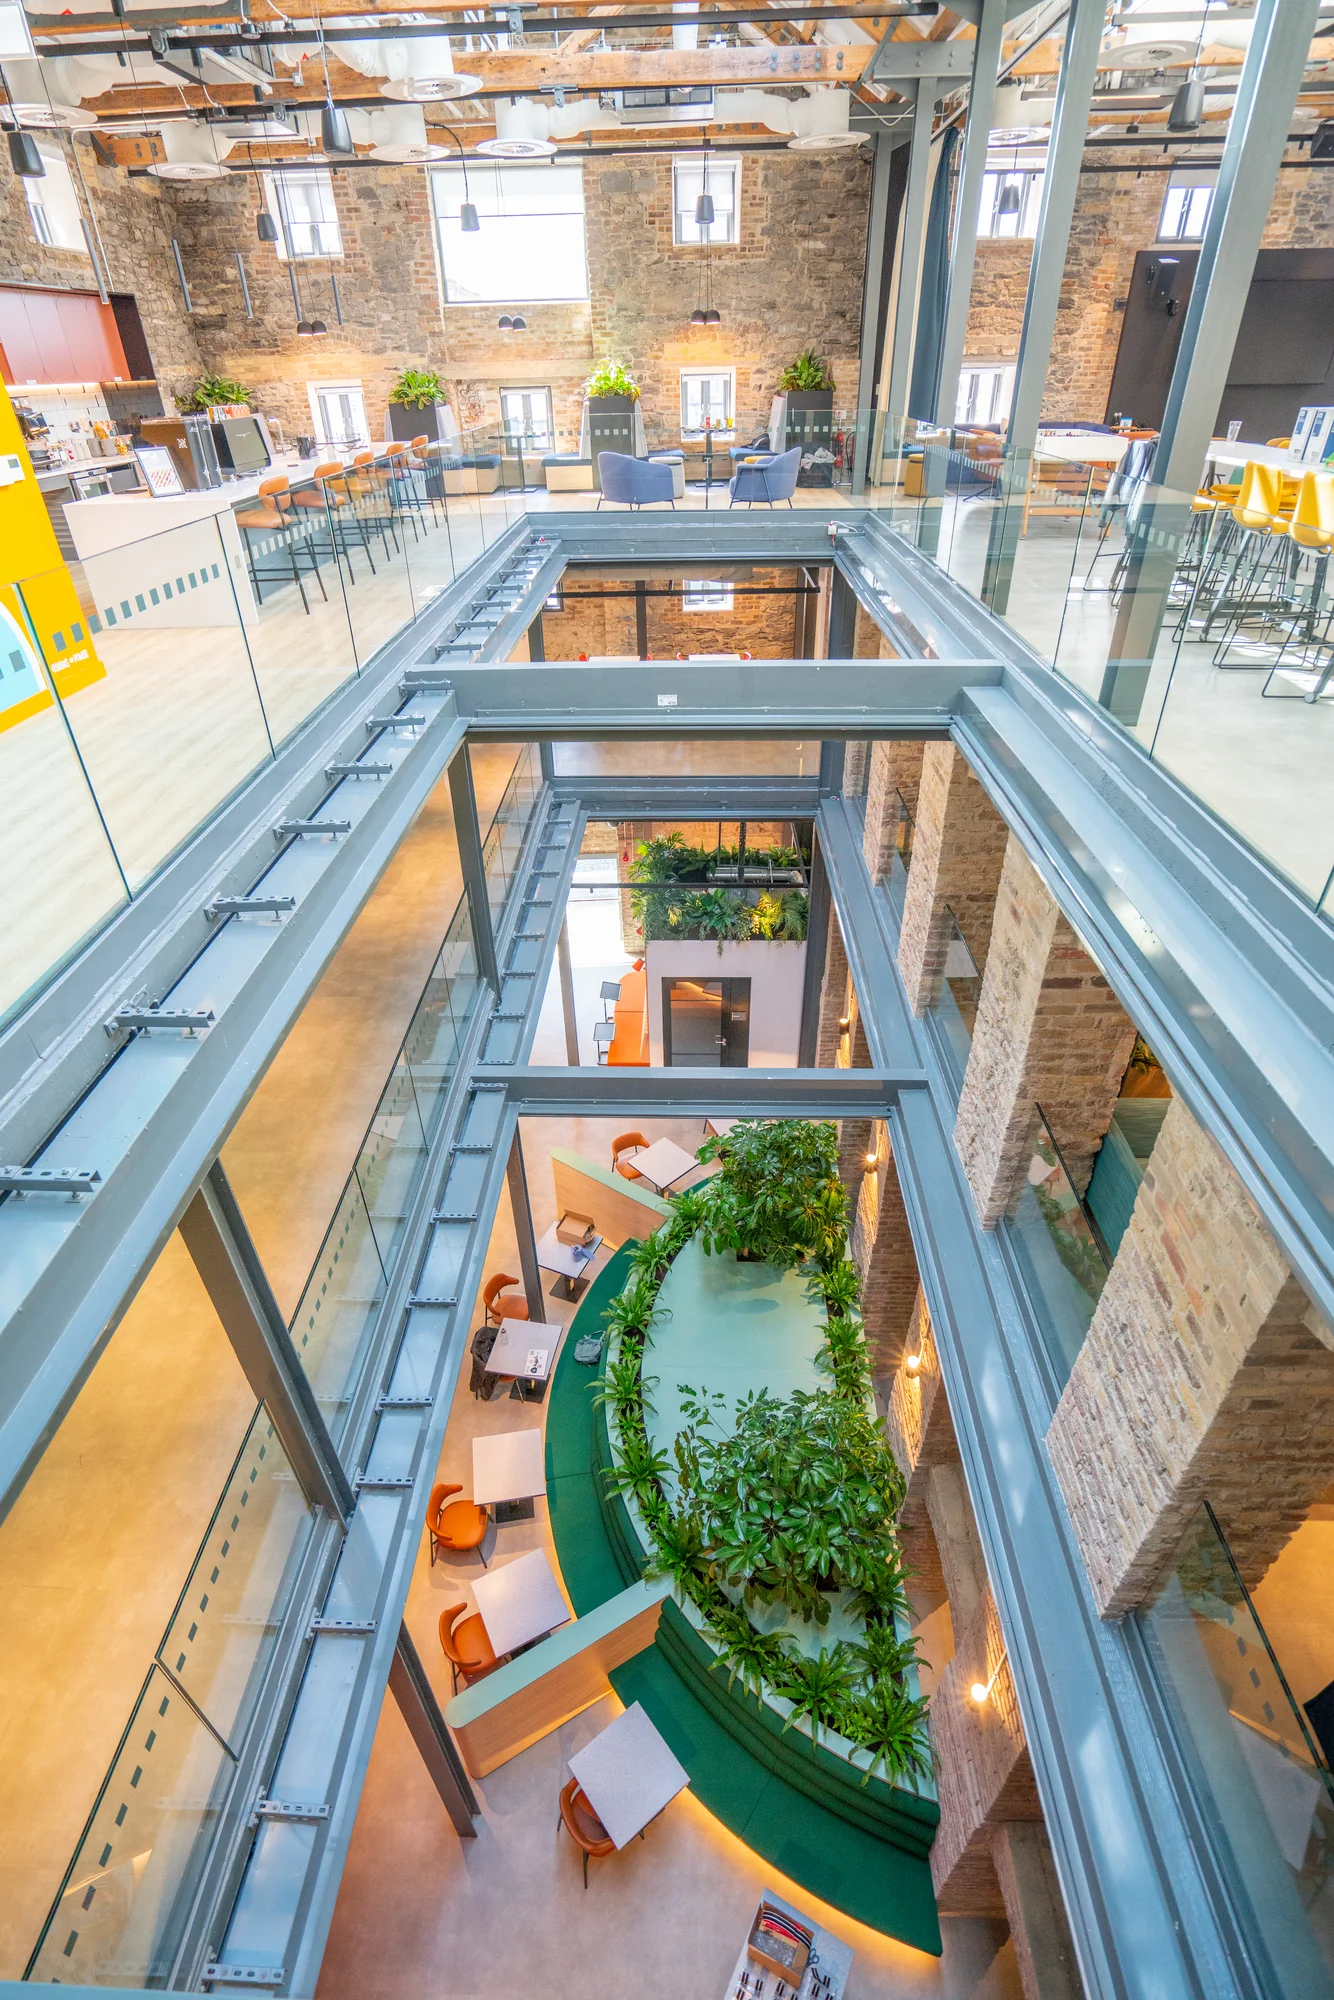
1083	447
662	1163
508	1465
522	1341
1235	451
720	1127
628	1774
567	1258
114	520
520	1601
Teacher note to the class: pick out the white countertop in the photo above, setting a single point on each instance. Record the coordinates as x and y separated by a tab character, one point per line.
1235	451
116	520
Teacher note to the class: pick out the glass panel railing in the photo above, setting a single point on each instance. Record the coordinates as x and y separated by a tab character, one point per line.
432	1041
895	877
1060	1250
504	842
295	566
227	1619
120	1914
955	1009
1262	1782
341	1297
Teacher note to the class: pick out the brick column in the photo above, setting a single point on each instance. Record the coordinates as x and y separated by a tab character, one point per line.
882	1250
1039	1929
894	768
829	1049
1049	1029
958	847
984	1774
1206	1374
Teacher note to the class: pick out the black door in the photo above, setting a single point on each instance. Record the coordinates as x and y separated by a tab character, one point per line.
706	1023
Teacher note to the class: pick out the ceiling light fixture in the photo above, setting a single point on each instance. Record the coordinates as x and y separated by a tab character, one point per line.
265	227
24	157
335	133
705	313
1187	113
469	221
1009	200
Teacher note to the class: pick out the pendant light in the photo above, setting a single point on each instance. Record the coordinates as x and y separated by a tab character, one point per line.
1187	113
468	220
704	201
265	227
24	157
1009	200
705	313
335	132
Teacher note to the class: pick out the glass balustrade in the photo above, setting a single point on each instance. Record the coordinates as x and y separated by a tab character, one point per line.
895	877
1059	1248
955	1008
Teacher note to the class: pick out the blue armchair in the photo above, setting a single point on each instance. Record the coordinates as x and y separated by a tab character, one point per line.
776	480
635	481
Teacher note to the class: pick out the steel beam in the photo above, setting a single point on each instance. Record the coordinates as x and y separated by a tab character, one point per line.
912	234
411	1689
873	280
224	1254
967	202
468	834
741	1093
521	1213
1256	137
567	1008
1060	186
740	797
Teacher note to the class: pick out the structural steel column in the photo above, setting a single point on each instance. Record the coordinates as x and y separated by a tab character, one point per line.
469	837
872	287
522	1212
817	933
421	1711
842	618
537	648
1256	136
1065	156
967	203
567	994
225	1257
912	231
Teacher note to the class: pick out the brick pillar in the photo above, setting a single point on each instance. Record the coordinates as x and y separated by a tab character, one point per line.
1048	1030
829	1047
894	768
1035	1910
855	755
958	847
1206	1374
882	1250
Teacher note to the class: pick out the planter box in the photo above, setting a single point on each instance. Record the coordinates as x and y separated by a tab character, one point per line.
611	427
810	424
406	421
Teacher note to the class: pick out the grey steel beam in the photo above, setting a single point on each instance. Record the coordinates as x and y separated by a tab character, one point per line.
582	700
873	281
832	760
419	1708
987	49
741	1093
536	639
799	534
1060	186
740	797
1256	137
817	944
468	834
1146	1913
567	1008
912	235
842	618
224	1254
521	1213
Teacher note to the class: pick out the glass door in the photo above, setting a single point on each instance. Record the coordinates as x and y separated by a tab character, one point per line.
706	1023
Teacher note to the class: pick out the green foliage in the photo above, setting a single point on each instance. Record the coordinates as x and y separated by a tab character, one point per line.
809	371
624	1383
818	1687
611	378
641	1470
419	388
778	1193
211	389
740	914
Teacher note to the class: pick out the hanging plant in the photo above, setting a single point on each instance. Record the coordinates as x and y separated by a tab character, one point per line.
611	378
418	388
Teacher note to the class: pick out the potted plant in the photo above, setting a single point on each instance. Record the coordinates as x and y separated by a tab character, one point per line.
415	403
209	391
612	394
809	388
611	387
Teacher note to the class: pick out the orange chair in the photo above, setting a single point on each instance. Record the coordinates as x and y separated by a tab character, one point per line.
628	1142
583	1825
456	1527
328	494
273	518
466	1645
368	482
498	1304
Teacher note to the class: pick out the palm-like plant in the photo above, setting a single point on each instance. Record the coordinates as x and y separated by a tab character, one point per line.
751	1657
624	1385
818	1687
640	1472
890	1724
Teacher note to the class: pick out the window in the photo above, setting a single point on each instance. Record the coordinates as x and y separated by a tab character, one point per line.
1011	198
724	181
338	410
526	414
301	201
984	394
1186	208
52	203
706	398
530	245
706	595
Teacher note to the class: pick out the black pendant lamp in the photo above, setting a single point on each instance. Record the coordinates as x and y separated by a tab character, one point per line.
24	157
704	206
265	227
468	220
1187	113
1009	200
335	133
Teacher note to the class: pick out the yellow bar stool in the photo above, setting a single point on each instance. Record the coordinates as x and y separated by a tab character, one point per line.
1311	533
1261	516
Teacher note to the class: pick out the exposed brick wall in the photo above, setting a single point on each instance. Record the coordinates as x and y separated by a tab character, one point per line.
758	625
882	1250
1206	1374
958	846
830	1052
984	1773
1049	1029
894	768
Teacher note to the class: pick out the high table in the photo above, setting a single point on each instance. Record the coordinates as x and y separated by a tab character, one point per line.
508	1472
628	1774
520	1601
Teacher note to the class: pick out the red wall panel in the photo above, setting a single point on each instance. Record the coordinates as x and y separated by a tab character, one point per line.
58	337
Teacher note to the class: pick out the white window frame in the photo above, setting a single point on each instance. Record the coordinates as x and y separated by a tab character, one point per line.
1183	207
705	594
53	203
695	374
529	389
723	169
314	390
446	183
1029	174
1000	389
329	229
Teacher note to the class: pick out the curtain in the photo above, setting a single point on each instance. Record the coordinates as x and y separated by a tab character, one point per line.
935	290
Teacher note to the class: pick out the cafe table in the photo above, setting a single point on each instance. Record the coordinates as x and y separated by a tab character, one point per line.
569	1261
628	1774
662	1163
525	1352
508	1472
520	1601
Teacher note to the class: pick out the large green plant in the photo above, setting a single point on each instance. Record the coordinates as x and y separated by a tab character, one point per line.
210	390
809	371
664	911
418	388
611	378
777	1194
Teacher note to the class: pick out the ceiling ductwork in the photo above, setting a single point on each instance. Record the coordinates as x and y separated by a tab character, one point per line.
194	153
527	129
419	70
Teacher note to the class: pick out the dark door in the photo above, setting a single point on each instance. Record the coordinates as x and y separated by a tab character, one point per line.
706	1023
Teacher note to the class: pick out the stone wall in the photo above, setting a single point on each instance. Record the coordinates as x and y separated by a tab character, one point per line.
759	625
958	846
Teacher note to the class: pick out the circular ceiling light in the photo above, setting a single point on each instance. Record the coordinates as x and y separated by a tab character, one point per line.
187	170
825	142
1147	55
410	155
431	89
516	149
46	117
